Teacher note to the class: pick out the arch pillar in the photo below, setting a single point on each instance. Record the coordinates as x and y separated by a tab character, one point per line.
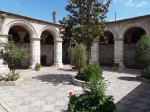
34	51
119	52
95	53
58	53
3	68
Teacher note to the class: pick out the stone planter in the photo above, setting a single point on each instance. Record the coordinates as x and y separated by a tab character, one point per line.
79	82
3	82
143	79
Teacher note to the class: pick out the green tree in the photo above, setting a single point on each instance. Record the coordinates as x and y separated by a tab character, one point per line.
85	23
142	53
11	54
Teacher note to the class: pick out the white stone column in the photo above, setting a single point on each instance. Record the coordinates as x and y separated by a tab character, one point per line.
58	53
43	37
95	53
35	52
3	68
119	52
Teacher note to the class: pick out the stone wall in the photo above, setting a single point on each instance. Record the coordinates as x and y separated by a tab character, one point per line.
129	51
26	61
106	55
48	51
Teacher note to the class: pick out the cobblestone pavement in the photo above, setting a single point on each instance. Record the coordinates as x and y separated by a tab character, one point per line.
47	91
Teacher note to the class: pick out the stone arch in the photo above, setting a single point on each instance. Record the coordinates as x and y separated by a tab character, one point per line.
47	48
52	30
21	23
131	35
109	39
106	49
129	26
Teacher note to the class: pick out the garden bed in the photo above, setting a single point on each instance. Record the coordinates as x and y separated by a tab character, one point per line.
3	82
78	82
143	79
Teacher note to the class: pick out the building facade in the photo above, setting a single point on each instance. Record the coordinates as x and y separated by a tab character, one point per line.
120	40
44	44
41	38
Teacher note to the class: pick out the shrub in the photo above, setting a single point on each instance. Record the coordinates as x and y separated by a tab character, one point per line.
80	55
146	74
85	73
93	99
37	65
142	53
70	56
115	65
77	55
13	77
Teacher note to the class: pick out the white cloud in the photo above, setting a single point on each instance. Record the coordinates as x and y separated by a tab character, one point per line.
132	4
129	3
141	4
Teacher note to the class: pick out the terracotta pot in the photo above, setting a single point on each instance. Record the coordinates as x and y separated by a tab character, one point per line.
37	69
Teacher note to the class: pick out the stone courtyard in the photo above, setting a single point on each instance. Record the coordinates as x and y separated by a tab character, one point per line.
48	90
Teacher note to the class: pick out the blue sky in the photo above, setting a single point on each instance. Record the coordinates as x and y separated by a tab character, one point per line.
42	9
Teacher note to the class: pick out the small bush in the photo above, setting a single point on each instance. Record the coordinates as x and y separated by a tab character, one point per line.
146	74
85	73
38	65
13	77
115	65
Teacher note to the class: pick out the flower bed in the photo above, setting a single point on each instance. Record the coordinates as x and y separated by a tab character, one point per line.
78	82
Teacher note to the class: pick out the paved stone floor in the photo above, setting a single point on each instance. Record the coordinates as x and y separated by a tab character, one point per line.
47	91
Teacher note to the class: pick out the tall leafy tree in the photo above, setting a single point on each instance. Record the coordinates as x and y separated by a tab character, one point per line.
85	22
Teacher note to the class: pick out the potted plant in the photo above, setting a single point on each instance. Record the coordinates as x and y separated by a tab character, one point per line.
37	66
115	66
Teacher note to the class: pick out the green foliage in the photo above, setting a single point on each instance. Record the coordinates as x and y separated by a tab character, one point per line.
70	57
142	53
77	55
38	65
80	55
115	66
85	73
146	74
85	21
94	99
11	54
12	77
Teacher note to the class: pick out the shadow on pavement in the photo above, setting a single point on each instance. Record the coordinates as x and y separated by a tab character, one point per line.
138	100
129	78
126	71
55	78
